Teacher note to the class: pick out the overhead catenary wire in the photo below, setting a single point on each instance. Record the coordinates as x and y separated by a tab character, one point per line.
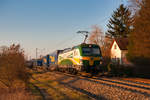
63	42
68	39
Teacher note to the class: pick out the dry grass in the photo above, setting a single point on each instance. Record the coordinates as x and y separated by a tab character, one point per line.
18	94
52	90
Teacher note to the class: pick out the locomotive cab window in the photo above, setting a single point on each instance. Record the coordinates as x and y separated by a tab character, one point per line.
86	51
90	51
95	51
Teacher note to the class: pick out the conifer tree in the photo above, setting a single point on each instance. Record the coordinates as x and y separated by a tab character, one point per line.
120	23
139	47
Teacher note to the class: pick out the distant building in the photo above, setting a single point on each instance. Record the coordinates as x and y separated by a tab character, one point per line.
119	50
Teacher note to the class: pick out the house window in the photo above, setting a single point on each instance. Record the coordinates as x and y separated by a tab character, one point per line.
115	46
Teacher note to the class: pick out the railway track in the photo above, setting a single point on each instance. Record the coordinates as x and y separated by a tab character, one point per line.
139	87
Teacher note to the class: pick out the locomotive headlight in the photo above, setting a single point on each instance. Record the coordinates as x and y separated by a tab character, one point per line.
101	62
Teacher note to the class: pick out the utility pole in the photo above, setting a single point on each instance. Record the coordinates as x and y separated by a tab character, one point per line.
85	33
36	52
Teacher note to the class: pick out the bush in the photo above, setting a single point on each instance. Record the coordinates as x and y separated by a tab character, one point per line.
120	70
142	71
142	66
12	67
105	63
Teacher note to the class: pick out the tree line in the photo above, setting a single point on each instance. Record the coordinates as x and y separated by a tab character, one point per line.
131	22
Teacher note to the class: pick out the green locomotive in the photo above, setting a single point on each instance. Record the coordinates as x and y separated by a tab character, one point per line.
84	57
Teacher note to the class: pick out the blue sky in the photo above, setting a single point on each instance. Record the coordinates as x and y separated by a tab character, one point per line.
51	24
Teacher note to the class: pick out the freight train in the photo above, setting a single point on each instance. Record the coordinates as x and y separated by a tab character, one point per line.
83	57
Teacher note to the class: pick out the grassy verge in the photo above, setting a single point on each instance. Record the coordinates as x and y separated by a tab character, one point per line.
35	91
52	90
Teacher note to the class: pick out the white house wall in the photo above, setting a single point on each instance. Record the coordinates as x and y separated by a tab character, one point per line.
115	53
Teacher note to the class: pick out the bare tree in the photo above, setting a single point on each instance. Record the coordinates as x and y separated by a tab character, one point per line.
135	5
3	48
96	36
106	47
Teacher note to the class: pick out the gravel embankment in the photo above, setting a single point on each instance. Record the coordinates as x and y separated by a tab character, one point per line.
98	90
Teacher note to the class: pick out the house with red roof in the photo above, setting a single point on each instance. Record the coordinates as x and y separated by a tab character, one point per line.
119	51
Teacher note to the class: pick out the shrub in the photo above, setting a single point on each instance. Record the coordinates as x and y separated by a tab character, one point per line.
12	67
112	69
120	70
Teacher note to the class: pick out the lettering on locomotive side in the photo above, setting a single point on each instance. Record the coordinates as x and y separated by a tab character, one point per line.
70	56
60	58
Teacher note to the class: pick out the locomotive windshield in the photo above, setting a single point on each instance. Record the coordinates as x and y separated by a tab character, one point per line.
95	51
90	51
